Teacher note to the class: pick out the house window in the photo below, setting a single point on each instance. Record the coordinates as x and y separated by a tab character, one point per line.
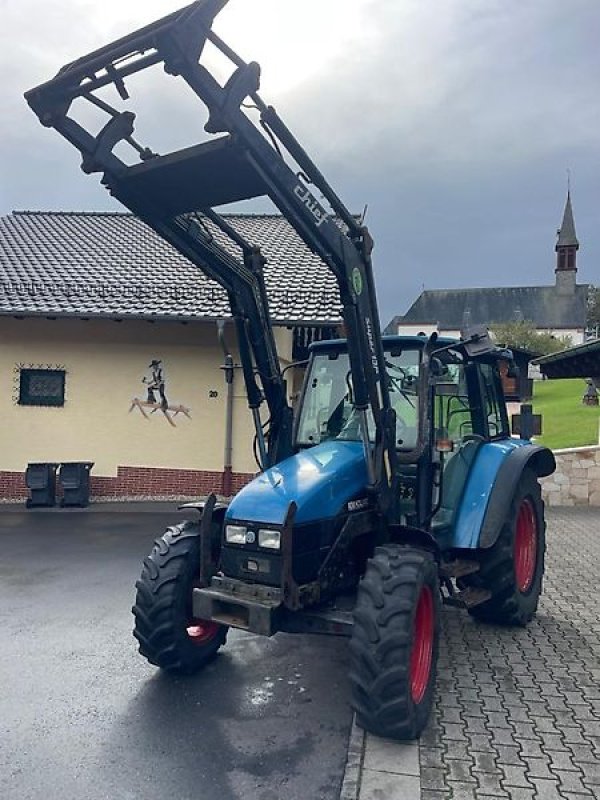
42	387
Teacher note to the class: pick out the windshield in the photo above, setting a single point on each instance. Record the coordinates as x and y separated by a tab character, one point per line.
328	413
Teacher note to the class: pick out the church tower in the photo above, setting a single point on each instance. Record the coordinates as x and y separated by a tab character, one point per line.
566	252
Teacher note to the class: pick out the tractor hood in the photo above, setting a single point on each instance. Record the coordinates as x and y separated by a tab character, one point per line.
320	481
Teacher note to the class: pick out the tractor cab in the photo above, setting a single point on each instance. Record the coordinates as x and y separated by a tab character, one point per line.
448	403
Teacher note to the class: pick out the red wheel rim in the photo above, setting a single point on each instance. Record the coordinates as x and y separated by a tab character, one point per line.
526	545
201	632
422	649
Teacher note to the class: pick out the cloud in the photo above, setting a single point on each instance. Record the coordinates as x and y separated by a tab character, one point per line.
454	120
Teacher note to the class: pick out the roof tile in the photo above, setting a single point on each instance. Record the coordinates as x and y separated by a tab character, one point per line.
112	264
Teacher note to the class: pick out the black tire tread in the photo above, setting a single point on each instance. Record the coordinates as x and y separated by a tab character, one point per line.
381	642
507	606
163	596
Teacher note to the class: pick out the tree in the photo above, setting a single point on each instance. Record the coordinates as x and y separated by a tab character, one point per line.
593	310
523	334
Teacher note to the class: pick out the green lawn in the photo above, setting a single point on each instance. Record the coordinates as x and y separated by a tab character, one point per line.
566	422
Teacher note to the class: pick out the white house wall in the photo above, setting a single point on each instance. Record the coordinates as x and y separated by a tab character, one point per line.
105	362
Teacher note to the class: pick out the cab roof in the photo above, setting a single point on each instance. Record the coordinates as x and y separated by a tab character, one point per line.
389	343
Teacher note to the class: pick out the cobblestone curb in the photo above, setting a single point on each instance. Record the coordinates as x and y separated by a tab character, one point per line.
379	769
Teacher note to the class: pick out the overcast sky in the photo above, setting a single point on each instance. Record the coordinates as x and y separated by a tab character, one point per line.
454	120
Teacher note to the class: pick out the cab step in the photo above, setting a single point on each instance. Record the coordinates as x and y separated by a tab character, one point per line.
467	598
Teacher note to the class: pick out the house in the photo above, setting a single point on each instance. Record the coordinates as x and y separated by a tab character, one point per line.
559	309
109	350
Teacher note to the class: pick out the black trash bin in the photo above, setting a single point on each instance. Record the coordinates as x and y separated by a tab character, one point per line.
74	477
41	482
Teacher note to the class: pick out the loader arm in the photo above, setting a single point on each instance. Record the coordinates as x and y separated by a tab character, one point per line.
255	155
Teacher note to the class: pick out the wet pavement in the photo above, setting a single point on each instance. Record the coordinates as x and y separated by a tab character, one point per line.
83	716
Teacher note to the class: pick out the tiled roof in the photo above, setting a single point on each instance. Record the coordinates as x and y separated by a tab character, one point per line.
542	305
113	265
582	361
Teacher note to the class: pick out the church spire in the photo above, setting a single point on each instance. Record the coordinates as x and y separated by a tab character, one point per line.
566	235
566	251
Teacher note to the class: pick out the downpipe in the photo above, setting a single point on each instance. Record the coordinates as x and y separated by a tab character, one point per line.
229	372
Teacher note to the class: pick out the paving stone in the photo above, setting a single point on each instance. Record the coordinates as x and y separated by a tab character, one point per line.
451	715
570	796
385	755
592	774
463	791
555	741
432	778
459	771
562	761
475	725
452	731
531	748
537	709
570	782
470	709
490	784
481	742
502	735
485	762
546	724
573	736
509	755
526	730
460	750
497	719
385	786
518	793
431	794
514	776
432	757
518	713
545	790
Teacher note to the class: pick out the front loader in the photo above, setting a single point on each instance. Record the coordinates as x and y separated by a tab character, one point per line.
395	486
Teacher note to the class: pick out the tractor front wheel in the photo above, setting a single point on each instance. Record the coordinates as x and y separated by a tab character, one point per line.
395	639
168	634
513	569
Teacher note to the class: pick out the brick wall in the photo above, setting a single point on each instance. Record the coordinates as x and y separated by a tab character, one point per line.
12	486
133	483
575	482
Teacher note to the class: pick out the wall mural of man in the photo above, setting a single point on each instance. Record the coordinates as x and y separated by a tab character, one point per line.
155	383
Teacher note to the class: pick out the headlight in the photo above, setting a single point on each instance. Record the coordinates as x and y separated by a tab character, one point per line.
270	539
235	534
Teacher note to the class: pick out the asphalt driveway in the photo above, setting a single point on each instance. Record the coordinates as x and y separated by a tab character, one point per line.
83	716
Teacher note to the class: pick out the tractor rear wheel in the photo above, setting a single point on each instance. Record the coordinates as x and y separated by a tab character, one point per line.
168	635
395	640
513	569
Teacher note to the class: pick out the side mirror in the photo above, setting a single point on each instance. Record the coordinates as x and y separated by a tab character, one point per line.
477	341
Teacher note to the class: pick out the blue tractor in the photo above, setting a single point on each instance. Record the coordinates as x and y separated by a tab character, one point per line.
395	484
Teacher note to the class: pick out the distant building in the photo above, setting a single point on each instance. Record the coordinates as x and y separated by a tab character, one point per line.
559	309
